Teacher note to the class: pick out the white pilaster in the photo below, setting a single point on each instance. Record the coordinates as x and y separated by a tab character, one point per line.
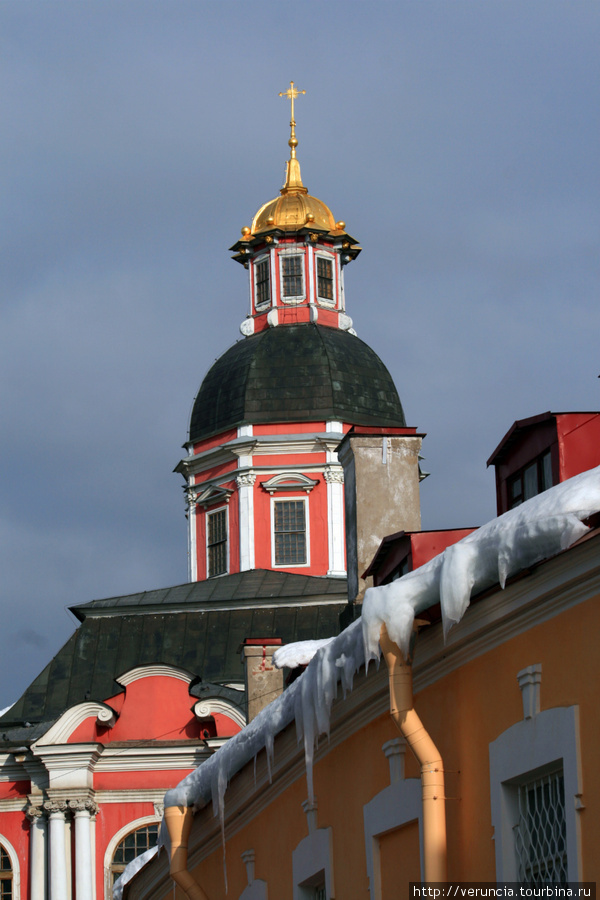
58	863
191	496
83	848
245	485
334	478
38	849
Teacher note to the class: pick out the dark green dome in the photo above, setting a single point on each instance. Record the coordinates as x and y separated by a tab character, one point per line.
296	373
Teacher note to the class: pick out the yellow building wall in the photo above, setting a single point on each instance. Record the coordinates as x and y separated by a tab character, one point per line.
464	712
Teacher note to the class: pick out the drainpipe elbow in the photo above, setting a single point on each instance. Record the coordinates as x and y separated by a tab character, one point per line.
179	823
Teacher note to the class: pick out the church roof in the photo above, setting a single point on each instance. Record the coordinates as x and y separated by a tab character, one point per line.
197	626
296	373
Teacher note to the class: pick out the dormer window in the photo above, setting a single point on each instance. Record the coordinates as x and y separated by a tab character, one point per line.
325	278
262	282
292	280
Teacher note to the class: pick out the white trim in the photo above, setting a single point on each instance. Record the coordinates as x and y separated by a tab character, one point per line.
528	746
15	866
116	840
154	671
390	809
72	718
227	542
303	565
289	481
192	536
295	299
131	795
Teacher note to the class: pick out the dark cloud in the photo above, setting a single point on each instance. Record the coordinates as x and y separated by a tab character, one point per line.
459	142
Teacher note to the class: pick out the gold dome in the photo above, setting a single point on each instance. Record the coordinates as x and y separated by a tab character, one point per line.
294	209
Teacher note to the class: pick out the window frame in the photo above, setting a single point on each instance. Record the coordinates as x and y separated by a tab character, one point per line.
258	264
284	565
209	513
331	259
285	255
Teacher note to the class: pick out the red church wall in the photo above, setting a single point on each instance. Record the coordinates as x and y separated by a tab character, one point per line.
146	778
215	441
14	789
15	830
215	471
317	528
155	708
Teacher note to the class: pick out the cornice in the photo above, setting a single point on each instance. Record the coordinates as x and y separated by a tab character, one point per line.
143	795
262	445
63	728
149	758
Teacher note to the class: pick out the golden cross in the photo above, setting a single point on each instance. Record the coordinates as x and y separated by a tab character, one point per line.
291	93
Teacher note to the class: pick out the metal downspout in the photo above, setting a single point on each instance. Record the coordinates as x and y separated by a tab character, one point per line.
432	767
179	823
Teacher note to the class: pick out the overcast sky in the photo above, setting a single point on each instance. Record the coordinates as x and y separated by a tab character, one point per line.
459	141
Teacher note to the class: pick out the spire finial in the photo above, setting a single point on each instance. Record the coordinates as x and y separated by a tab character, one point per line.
293	179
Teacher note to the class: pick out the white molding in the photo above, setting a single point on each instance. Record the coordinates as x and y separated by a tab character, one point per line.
131	795
72	718
312	863
149	758
288	481
15	865
335	525
154	671
527	746
210	705
13	804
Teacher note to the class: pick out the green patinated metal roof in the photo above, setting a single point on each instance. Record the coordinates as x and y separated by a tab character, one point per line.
296	373
198	627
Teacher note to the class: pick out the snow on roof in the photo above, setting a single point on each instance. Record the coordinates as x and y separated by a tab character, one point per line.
539	528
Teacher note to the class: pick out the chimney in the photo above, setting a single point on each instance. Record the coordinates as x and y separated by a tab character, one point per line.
381	493
263	681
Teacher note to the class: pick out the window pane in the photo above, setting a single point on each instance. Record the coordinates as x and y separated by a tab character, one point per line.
325	278
263	293
216	540
530	480
546	470
541	833
292	276
290	533
132	845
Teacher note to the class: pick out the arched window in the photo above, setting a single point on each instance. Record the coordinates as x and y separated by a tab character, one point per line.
133	844
6	875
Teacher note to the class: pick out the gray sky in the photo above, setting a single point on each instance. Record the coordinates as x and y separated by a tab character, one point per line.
459	141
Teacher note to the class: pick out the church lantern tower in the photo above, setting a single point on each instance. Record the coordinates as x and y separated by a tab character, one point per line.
264	484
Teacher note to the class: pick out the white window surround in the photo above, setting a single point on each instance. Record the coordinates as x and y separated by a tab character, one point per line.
396	805
227	562
332	258
14	863
312	860
292	251
303	565
114	843
525	749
